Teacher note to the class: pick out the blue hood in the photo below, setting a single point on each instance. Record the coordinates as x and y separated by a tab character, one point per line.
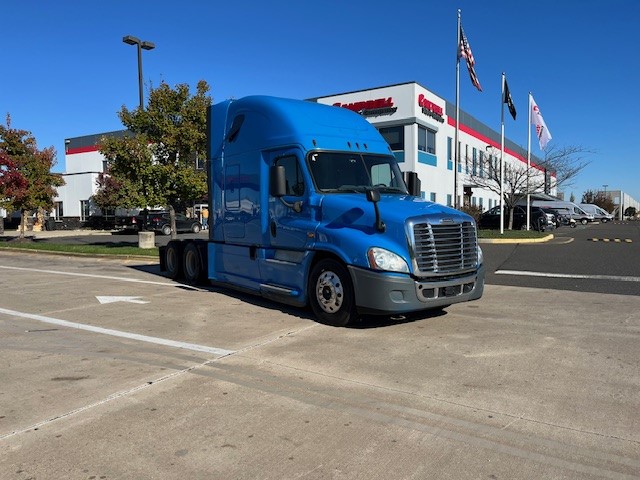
355	211
347	223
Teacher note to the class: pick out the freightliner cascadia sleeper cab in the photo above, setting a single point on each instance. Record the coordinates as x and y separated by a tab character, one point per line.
308	206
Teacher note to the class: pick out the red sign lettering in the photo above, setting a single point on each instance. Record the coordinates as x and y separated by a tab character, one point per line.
424	103
367	104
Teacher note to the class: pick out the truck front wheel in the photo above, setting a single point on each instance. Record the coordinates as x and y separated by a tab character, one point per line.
331	293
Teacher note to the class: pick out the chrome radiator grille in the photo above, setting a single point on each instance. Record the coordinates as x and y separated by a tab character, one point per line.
445	249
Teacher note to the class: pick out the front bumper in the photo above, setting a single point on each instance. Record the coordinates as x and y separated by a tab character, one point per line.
386	293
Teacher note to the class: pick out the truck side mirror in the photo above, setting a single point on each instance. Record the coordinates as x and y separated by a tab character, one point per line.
413	183
373	195
277	181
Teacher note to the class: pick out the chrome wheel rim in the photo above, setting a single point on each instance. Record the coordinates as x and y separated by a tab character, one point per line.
329	292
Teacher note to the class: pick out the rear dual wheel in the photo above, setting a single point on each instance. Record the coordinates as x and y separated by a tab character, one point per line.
192	264
173	260
184	262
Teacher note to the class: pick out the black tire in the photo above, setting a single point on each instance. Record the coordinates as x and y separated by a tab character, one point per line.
166	230
195	228
173	260
331	293
584	221
192	264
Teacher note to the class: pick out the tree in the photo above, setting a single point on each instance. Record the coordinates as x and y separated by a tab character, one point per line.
600	199
155	165
516	183
630	211
565	162
12	185
20	147
560	167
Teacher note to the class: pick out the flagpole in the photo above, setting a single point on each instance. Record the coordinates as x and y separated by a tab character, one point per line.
456	159
529	164
502	159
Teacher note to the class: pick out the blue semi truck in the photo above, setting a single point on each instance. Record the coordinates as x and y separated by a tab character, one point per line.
308	206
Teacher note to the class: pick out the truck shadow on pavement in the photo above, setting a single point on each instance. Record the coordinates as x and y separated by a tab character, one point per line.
304	313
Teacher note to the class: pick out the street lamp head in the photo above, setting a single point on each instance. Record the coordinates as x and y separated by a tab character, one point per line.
148	45
131	40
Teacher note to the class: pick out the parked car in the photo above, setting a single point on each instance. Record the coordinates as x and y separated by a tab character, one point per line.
160	221
128	222
553	217
491	218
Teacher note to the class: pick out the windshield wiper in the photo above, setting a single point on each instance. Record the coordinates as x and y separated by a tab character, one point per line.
350	189
391	190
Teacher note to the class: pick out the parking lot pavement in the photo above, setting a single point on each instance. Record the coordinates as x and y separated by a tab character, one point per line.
506	387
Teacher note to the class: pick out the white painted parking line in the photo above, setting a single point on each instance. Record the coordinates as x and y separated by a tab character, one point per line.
74	274
104	300
615	278
118	333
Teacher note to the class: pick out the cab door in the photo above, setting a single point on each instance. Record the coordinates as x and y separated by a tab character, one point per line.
291	219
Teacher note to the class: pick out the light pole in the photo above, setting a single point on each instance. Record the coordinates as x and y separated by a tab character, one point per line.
605	189
131	40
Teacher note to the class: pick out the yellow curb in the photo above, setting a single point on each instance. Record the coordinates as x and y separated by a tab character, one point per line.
516	240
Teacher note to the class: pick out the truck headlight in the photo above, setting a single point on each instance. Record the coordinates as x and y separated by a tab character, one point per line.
381	259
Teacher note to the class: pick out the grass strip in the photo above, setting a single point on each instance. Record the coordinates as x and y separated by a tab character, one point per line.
113	249
515	234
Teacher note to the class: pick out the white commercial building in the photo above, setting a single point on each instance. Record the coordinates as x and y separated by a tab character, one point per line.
418	124
83	165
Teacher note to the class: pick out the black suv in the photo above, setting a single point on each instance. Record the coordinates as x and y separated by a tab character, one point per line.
160	221
491	218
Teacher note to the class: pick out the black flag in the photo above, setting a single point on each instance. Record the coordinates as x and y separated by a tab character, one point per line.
508	100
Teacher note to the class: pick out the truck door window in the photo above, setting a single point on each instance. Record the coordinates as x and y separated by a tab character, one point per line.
293	174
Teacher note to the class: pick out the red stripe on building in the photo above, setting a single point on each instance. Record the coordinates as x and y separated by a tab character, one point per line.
91	148
469	131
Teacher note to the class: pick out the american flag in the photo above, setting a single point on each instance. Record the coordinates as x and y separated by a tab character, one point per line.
464	51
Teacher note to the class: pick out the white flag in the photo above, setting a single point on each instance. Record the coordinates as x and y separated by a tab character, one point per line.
541	128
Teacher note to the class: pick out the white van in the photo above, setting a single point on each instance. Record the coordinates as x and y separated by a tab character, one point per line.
569	209
597	212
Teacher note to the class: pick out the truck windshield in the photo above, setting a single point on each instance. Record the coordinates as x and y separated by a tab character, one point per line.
335	172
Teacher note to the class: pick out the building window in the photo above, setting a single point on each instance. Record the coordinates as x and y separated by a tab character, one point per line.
57	208
474	159
466	159
196	160
394	136
105	166
426	140
199	162
480	203
84	210
449	153
449	198
433	197
481	164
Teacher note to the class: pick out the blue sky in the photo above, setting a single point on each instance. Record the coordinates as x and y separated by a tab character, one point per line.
66	72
